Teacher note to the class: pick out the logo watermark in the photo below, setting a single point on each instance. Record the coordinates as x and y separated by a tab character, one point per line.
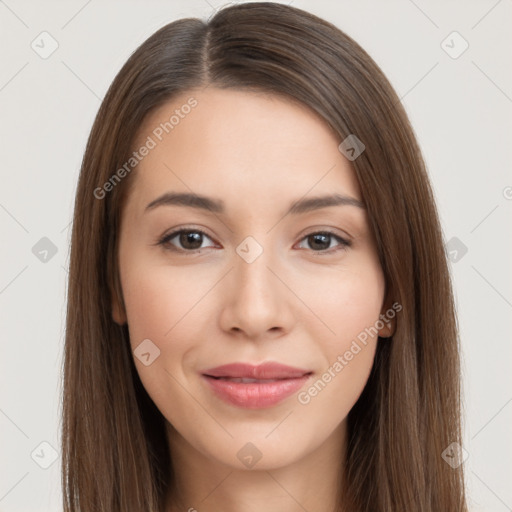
304	397
151	142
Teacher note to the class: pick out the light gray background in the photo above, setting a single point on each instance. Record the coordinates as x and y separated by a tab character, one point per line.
460	109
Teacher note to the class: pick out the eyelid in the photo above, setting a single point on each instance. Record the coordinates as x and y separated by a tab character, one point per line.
331	231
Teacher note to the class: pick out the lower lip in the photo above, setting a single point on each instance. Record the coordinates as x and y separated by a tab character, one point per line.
254	395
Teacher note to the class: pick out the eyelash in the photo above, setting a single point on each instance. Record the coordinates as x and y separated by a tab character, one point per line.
164	241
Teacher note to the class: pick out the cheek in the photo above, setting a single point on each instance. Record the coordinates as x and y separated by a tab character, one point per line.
160	308
159	301
345	300
167	307
349	302
150	306
333	392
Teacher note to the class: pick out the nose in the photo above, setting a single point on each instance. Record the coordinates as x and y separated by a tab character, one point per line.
256	303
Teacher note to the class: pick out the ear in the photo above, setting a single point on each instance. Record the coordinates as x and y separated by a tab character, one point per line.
118	312
388	318
389	327
118	308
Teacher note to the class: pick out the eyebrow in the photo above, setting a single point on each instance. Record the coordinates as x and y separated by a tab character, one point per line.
192	200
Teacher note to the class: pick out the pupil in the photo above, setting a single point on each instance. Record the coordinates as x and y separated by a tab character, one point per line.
191	240
324	241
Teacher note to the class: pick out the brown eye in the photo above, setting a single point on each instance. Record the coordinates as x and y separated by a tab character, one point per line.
184	240
321	241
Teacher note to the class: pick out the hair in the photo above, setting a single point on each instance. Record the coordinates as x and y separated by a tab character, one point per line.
115	456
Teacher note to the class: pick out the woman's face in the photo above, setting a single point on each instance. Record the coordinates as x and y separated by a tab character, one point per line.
252	278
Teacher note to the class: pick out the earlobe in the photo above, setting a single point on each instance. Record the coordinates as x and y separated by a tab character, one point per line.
118	314
387	320
118	309
117	302
389	327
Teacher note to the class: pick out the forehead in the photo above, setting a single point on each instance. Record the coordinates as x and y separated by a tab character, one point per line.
240	144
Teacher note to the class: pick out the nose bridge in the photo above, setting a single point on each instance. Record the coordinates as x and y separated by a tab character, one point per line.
251	268
256	301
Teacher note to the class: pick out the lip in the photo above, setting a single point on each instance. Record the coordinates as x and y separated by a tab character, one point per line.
273	382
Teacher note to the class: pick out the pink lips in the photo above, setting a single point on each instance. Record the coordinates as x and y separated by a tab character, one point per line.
255	387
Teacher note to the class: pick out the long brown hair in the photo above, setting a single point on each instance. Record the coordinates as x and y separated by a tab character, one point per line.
115	455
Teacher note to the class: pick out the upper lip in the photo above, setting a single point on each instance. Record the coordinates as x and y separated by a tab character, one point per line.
267	370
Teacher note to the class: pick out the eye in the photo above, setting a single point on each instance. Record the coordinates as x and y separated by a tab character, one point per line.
189	240
321	241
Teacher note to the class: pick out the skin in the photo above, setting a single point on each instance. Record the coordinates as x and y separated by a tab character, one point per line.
296	303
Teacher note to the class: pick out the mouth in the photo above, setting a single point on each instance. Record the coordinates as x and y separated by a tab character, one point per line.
255	387
246	380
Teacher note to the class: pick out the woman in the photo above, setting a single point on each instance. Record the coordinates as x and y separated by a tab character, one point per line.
260	314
